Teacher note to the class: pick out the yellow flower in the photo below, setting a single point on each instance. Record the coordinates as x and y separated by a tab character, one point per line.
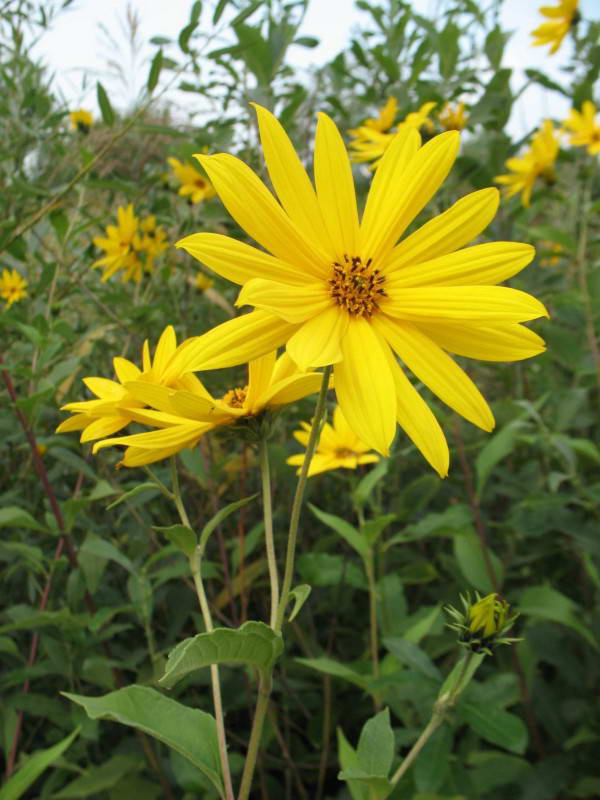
338	447
487	617
453	118
193	183
537	162
385	119
115	407
185	416
585	128
343	292
555	251
81	120
370	143
152	242
561	17
203	282
419	119
12	287
119	247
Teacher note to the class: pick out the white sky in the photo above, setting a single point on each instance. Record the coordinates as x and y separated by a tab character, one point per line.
75	44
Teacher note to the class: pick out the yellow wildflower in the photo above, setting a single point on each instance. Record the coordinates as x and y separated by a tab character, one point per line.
81	120
585	128
118	244
203	282
184	416
338	447
385	119
554	252
114	406
152	242
369	142
419	119
343	292
453	118
537	162
12	287
562	17
487	616
193	183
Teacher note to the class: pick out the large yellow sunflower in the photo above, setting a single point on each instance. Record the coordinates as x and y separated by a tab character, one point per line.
341	291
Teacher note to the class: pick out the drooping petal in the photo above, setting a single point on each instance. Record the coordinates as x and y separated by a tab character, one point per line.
75	423
482	304
294	304
260	372
290	181
238	262
420	180
317	342
335	188
507	341
482	264
447	232
177	436
255	209
436	369
364	386
105	426
417	420
138	457
233	342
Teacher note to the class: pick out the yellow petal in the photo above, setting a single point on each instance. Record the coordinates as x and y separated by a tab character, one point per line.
335	188
164	349
177	436
75	423
436	369
290	181
290	390
284	367
364	386
152	394
390	173
418	421
260	372
468	303
233	342
419	181
317	342
104	426
256	211
294	304
238	262
503	342
136	457
104	388
447	232
482	264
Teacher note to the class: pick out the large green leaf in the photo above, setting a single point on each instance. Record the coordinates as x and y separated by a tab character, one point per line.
376	745
496	725
348	532
18	784
468	551
254	644
547	603
189	731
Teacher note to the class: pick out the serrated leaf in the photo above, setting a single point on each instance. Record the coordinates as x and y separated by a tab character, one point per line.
253	644
184	538
300	594
108	115
16	786
191	732
344	529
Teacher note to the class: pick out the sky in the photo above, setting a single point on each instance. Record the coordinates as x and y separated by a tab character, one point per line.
76	45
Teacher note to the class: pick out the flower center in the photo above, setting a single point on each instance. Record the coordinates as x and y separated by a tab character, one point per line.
235	398
199	182
344	452
356	286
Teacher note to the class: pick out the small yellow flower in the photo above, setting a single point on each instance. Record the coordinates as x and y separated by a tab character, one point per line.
184	416
12	287
385	118
585	128
153	241
81	120
482	625
369	141
555	253
487	616
537	162
193	184
114	407
338	447
453	118
419	119
119	247
203	282
562	17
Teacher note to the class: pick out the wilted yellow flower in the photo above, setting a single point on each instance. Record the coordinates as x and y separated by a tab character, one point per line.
555	251
186	415
537	162
343	292
193	184
419	119
338	447
115	407
585	128
453	118
12	287
81	120
562	17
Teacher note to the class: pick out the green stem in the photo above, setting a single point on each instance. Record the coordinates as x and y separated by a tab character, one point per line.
268	517
195	568
266	679
373	638
434	723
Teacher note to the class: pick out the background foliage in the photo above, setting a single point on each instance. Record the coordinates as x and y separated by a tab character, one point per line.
94	597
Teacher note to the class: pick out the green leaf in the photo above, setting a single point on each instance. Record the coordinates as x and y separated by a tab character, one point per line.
366	485
494	47
472	562
155	68
142	487
18	518
335	668
373	528
460	676
411	654
247	12
548	603
220	8
300	594
497	448
376	745
17	785
345	530
184	538
191	732
108	115
98	779
254	644
496	726
349	763
221	515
